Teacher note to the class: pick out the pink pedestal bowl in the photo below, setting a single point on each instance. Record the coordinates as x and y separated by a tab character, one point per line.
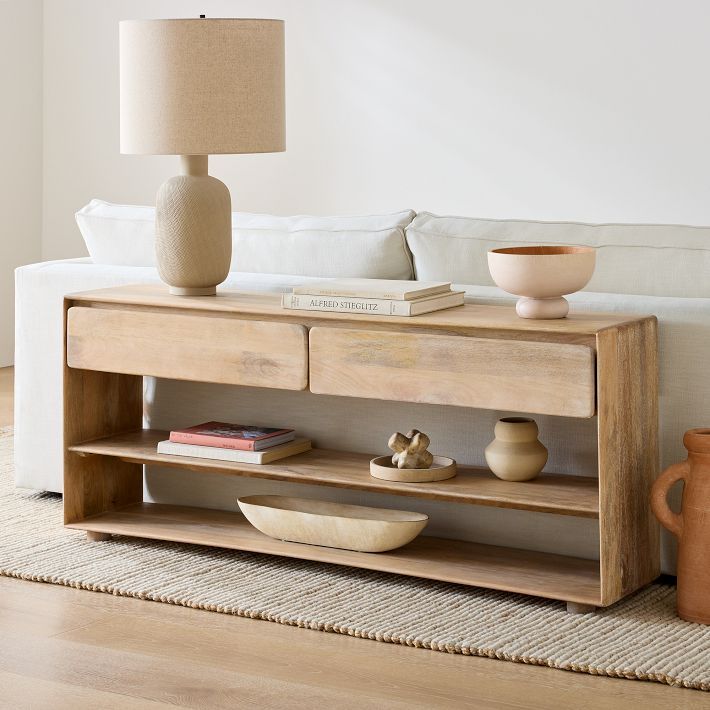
541	276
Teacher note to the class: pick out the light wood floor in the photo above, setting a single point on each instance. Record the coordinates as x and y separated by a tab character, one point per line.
65	648
6	399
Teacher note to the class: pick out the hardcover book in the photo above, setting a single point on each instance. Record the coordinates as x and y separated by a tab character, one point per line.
373	288
274	453
372	306
232	436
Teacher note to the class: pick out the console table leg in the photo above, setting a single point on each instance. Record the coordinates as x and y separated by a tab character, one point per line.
577	608
92	536
99	404
627	426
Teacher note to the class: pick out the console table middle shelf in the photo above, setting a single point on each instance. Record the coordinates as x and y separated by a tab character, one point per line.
549	493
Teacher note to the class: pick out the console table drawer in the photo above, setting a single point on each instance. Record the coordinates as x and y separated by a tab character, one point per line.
187	347
513	375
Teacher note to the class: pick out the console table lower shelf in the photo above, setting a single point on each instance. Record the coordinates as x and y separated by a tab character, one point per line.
569	579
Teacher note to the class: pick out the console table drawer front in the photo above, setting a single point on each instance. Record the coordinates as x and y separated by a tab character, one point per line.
513	375
186	347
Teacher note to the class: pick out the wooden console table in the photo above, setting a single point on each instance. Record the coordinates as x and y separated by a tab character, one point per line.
586	365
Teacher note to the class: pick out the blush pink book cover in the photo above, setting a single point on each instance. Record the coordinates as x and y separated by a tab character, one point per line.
227	436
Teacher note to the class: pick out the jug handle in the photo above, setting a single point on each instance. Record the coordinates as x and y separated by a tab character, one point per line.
659	492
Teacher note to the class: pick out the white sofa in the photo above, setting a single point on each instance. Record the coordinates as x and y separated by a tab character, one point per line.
643	269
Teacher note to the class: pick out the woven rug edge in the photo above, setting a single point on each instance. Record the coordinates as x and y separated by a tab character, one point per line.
356	633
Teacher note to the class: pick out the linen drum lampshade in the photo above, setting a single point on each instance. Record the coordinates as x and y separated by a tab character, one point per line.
193	87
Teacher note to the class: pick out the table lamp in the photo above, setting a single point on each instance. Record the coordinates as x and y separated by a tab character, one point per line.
190	88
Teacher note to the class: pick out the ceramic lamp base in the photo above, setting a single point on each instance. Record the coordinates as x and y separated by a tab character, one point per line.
193	230
542	308
199	291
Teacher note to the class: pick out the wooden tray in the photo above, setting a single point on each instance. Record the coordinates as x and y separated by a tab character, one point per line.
440	470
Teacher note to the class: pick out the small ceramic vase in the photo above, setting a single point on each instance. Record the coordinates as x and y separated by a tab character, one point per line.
691	526
516	454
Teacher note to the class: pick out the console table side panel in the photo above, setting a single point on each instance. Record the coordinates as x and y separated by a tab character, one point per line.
628	457
98	404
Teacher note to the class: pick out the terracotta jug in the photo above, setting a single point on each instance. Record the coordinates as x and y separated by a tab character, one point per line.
691	526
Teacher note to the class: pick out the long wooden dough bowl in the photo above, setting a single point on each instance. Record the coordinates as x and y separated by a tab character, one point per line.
317	522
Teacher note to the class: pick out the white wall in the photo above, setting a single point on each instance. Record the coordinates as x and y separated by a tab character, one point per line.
20	151
589	110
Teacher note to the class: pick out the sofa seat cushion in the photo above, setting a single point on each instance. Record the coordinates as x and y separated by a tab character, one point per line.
371	246
643	259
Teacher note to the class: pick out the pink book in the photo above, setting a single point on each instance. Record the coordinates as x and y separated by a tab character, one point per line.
232	436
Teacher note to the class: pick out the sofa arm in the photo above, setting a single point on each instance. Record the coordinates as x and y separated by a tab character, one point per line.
39	295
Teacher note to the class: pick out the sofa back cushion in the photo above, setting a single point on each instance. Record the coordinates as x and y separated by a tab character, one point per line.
118	235
644	259
372	246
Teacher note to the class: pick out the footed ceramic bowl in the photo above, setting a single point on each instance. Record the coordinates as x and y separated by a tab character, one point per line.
542	275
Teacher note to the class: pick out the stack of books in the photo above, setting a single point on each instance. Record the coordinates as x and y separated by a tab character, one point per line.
373	296
234	442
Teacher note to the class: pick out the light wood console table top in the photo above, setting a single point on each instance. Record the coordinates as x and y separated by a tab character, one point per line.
267	306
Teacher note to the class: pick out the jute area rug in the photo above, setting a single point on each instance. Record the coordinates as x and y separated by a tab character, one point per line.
640	638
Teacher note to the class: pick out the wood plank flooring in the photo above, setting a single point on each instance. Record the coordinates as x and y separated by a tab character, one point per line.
7	378
63	648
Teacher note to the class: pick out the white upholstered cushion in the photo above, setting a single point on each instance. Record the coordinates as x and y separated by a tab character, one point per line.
653	260
370	246
118	235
